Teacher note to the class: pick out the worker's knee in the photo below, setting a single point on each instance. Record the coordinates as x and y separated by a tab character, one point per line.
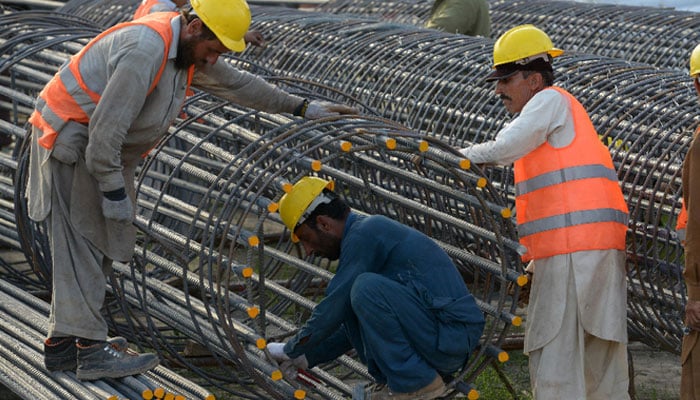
367	290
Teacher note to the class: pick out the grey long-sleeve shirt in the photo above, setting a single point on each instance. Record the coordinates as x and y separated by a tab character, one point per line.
128	121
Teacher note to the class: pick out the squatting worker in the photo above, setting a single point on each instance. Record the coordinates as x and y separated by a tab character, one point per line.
396	297
93	121
690	350
150	6
572	218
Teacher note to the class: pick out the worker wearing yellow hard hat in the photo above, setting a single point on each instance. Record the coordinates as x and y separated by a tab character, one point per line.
572	218
396	297
93	121
690	349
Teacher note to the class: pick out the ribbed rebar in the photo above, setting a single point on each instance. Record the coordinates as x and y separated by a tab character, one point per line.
663	37
215	264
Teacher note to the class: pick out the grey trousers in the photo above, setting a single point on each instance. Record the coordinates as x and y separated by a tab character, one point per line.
79	270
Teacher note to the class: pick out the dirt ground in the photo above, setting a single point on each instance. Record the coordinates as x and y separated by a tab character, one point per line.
657	374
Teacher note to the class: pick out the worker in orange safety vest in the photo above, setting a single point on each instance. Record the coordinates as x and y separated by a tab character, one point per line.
572	218
690	348
92	123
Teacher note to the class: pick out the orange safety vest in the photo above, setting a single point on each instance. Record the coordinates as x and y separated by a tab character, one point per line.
682	222
145	8
569	199
56	106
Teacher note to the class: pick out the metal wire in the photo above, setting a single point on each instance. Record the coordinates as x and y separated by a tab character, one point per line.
214	264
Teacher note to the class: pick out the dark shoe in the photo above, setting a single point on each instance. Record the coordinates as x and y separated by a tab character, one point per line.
105	360
61	354
433	390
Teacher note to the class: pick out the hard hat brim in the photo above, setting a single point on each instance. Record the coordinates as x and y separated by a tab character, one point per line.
233	45
504	71
499	74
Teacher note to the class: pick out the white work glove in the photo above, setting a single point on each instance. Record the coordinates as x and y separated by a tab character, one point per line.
117	205
288	365
320	109
277	352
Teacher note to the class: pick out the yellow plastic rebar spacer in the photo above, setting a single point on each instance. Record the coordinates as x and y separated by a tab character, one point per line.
253	241
253	312
522	280
516	321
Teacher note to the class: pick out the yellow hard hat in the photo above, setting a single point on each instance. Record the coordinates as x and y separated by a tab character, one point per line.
228	19
296	205
522	42
695	62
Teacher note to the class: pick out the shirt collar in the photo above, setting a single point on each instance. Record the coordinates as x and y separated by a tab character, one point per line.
176	25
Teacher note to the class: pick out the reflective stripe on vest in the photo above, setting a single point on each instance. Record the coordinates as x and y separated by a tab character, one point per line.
563	175
56	106
569	199
572	219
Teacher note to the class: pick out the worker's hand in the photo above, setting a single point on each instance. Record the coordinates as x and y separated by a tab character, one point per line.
692	314
320	109
255	38
117	205
276	351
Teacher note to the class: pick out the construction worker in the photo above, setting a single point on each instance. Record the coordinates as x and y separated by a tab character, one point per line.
396	297
467	17
690	349
572	218
150	6
108	106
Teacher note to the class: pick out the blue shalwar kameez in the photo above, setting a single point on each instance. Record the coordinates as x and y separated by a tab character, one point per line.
396	298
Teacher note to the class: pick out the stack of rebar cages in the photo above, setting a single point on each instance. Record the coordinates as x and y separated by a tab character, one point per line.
215	266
